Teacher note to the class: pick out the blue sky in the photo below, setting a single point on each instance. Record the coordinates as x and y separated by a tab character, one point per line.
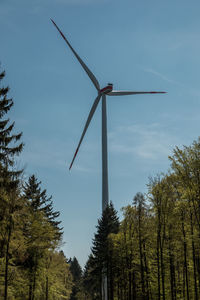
137	45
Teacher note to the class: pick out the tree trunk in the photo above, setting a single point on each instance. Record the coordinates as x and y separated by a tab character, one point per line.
198	268
141	259
134	294
158	264
172	272
162	272
111	283
129	285
7	260
194	257
47	287
30	291
148	287
34	285
185	258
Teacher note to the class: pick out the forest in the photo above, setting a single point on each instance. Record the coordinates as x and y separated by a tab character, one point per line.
153	253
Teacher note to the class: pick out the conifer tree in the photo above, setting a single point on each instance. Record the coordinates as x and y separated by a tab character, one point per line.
39	201
91	279
42	231
76	272
102	253
10	146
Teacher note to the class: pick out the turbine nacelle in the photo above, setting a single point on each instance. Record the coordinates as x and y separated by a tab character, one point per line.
107	89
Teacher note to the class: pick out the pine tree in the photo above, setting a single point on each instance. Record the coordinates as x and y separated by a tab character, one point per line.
42	231
76	272
75	269
101	250
91	279
10	147
38	201
9	178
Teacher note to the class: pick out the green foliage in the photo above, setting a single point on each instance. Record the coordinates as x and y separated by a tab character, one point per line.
10	145
156	253
75	269
76	272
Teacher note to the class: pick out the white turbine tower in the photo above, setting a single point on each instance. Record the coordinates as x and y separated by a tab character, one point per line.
108	90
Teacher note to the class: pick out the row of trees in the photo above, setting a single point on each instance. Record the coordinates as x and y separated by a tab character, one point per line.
154	254
31	267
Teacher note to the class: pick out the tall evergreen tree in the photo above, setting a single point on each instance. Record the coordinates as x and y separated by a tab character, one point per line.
10	146
76	272
39	201
101	250
91	279
42	231
75	269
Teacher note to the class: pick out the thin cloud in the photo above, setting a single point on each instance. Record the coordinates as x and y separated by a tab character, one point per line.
77	2
47	154
188	89
82	169
163	77
44	154
12	3
142	141
12	7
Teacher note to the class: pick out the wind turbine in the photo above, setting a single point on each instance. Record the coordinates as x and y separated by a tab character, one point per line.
101	95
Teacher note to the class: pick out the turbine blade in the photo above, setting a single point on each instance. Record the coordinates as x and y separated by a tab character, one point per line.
122	93
92	111
89	73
